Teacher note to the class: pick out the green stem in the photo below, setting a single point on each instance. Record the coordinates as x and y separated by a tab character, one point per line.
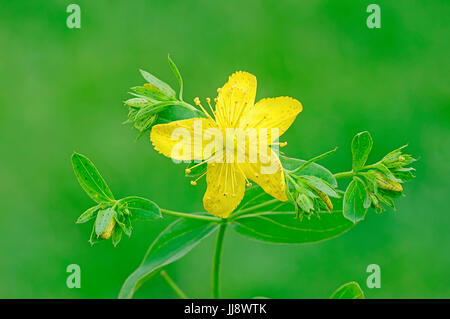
192	216
243	211
173	285
217	260
344	174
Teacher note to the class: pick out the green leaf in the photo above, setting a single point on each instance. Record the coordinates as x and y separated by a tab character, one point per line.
162	86
350	290
355	199
144	124
305	203
153	109
172	243
283	227
88	215
361	147
175	113
137	102
116	236
104	217
177	74
313	169
150	92
126	226
404	174
90	179
383	169
141	208
321	185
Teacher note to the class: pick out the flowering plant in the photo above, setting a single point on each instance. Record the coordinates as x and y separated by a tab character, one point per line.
233	144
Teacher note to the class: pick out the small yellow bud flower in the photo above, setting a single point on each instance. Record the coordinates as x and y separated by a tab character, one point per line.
109	230
385	183
324	197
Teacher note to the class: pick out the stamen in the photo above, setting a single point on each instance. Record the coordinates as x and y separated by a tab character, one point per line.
194	182
281	144
216	155
241	111
197	102
233	176
208	100
247	182
226	179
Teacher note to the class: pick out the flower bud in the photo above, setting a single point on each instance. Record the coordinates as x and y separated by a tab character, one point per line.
385	183
324	197
397	159
109	230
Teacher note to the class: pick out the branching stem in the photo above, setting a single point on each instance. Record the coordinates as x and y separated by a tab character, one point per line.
192	216
344	174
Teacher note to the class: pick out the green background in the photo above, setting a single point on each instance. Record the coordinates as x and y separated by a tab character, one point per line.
61	91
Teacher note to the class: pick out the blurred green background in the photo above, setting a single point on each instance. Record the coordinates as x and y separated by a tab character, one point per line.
62	91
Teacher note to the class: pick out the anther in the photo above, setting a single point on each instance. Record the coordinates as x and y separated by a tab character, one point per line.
187	170
197	101
283	144
193	183
249	184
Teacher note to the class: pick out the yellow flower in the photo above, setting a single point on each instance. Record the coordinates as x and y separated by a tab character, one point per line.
235	109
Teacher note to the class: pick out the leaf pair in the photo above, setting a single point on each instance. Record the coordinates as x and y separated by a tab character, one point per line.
112	217
259	217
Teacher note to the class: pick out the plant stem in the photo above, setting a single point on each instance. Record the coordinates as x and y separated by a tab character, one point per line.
192	216
217	260
344	174
173	285
243	211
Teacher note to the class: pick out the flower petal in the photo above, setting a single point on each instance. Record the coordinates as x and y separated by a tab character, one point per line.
267	173
226	187
235	97
279	112
177	139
